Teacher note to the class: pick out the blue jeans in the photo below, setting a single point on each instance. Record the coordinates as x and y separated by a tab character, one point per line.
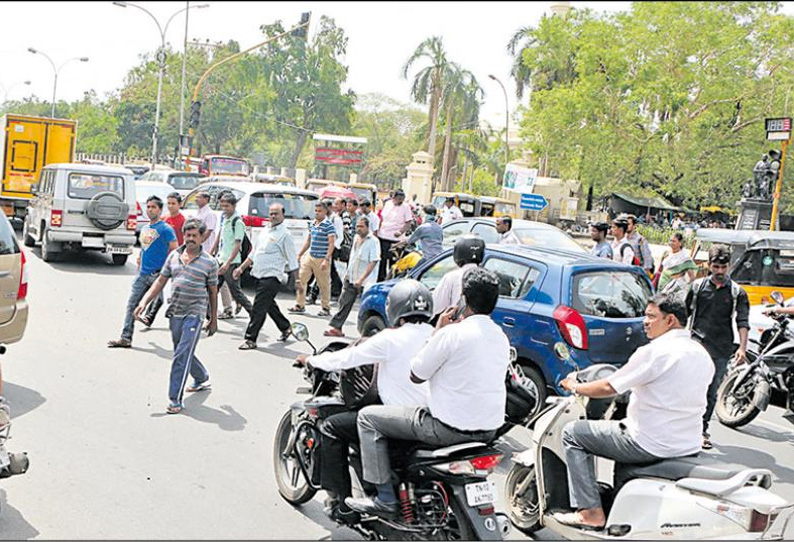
185	332
140	286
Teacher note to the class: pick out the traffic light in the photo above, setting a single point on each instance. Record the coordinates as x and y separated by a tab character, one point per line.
303	31
195	114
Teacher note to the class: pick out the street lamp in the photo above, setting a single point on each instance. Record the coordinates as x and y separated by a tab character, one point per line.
161	61
56	71
9	89
507	118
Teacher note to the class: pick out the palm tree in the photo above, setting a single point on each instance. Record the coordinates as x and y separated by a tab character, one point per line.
428	83
520	71
461	99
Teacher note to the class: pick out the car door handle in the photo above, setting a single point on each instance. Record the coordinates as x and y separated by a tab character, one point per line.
508	322
4	274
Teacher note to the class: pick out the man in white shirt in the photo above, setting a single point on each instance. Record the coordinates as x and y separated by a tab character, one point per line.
450	212
410	307
374	221
464	366
622	251
668	380
504	227
209	218
468	253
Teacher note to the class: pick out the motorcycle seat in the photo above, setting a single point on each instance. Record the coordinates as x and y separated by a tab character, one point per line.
425	451
674	469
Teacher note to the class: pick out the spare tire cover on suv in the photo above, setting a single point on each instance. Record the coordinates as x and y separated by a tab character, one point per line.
107	210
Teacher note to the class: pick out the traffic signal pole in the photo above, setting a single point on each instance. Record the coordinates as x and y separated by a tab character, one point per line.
775	205
300	30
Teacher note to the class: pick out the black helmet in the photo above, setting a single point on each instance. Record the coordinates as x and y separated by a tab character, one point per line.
469	249
408	298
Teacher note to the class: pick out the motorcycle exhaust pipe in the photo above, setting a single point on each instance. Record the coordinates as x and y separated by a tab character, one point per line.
504	525
18	463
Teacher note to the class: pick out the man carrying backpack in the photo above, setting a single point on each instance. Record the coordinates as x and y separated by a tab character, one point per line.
232	247
622	251
715	303
640	245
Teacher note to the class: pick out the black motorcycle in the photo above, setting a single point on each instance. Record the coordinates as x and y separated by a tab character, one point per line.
747	389
444	493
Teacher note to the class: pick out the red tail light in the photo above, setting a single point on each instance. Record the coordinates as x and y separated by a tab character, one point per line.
255	221
572	326
759	522
486	462
23	278
132	222
56	218
140	211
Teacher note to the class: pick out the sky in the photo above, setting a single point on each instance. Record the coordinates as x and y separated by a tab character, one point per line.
382	35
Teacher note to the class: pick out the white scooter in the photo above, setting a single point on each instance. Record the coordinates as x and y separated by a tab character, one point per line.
683	498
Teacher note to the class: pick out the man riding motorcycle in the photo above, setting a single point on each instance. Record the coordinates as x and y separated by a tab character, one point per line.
409	307
468	253
464	364
668	379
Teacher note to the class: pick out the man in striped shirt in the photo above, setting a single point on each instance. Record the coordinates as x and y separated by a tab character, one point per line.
315	259
194	275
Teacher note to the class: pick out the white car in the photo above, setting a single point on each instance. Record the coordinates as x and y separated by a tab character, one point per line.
180	181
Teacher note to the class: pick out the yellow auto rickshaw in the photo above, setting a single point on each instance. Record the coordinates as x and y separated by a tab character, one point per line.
496	207
469	205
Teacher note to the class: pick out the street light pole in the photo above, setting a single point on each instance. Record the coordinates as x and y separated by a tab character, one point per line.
507	119
161	61
9	89
184	68
55	71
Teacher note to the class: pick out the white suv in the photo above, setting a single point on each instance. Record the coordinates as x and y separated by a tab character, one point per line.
82	206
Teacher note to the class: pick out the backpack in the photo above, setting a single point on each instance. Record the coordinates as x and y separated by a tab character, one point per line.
636	260
245	248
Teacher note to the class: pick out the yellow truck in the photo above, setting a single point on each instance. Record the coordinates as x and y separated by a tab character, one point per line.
27	144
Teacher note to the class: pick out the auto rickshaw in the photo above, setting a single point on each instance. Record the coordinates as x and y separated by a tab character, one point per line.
364	191
496	207
761	261
469	205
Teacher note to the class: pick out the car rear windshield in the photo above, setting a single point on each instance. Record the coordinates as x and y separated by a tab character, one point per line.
88	185
610	294
547	237
8	243
296	206
184	182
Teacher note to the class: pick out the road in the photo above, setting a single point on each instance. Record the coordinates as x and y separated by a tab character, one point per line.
106	462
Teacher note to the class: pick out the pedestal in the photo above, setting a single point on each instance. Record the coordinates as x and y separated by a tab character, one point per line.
754	214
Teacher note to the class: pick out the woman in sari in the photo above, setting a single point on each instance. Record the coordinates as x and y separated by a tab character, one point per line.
677	269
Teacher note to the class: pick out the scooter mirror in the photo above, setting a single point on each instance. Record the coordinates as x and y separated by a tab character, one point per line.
300	331
778	297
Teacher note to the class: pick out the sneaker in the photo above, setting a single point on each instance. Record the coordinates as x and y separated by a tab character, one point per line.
199	386
120	343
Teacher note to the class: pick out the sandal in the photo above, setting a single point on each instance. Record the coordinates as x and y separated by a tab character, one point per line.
120	343
333	332
707	445
226	315
174	408
247	345
324	312
298	310
574	519
196	386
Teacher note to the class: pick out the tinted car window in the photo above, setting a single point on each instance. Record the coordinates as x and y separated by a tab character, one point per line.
515	279
487	232
452	232
86	185
765	268
610	294
547	237
184	181
8	243
296	206
433	275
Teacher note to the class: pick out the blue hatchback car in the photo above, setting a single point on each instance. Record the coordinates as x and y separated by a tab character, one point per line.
560	309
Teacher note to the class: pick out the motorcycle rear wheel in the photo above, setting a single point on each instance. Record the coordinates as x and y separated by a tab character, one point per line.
735	411
292	484
524	510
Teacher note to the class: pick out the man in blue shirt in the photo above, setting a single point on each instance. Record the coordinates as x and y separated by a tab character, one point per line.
598	233
157	241
315	259
429	234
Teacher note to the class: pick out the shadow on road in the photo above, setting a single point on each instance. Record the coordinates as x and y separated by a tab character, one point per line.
755	459
227	419
313	511
159	351
21	399
13	525
766	434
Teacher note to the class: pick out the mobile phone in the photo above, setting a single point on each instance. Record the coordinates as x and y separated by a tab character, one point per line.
461	308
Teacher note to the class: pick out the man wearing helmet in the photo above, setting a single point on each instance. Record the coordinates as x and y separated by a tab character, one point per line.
468	253
464	367
409	308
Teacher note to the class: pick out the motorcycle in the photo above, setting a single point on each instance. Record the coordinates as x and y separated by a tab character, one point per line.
405	258
679	498
747	388
444	493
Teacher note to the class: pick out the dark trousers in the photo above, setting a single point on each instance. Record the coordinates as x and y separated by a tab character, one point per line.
720	368
385	258
265	305
234	288
346	301
153	308
339	432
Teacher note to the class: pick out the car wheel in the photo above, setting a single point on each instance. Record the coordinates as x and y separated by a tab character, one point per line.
119	259
372	325
27	239
49	252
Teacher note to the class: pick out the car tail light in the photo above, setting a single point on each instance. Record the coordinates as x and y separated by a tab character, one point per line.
56	218
22	293
572	326
759	522
132	222
255	221
138	206
479	465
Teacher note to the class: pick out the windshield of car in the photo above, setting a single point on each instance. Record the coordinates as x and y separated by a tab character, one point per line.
142	193
296	206
547	237
88	185
184	181
610	294
8	243
229	166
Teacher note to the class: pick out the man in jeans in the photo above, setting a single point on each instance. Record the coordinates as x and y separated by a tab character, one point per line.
157	240
273	252
364	255
715	304
315	259
194	286
228	244
668	379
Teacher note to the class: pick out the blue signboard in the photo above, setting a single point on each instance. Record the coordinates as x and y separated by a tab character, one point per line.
533	202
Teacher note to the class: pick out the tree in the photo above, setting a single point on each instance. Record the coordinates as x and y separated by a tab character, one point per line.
461	98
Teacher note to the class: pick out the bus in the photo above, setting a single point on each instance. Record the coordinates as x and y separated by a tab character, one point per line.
219	164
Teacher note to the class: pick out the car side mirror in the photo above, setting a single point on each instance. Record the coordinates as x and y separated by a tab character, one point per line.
300	331
778	297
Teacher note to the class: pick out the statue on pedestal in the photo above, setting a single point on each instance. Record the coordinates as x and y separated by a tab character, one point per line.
765	174
748	189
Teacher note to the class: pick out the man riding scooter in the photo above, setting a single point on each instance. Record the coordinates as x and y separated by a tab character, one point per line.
668	379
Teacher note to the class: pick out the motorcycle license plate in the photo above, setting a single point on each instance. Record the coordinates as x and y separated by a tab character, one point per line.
480	493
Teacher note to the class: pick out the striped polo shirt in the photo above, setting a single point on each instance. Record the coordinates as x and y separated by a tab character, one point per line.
189	283
319	243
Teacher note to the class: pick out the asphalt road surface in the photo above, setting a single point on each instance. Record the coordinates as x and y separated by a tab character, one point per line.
107	462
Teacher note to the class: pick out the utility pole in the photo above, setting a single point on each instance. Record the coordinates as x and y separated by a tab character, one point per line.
184	67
